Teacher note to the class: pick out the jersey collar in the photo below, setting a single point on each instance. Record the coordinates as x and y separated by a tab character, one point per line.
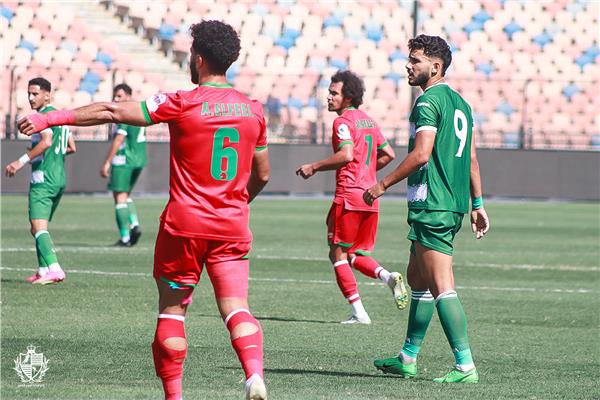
434	85
216	85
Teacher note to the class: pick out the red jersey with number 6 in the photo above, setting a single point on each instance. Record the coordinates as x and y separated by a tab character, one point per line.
214	132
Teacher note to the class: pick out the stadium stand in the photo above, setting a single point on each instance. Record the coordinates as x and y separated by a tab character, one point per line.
530	69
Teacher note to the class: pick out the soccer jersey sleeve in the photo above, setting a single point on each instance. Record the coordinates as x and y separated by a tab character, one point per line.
262	141
342	133
381	141
426	115
121	129
162	107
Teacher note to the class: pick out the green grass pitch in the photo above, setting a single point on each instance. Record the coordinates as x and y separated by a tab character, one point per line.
530	290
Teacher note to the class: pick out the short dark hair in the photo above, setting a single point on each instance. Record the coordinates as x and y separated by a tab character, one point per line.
217	43
124	87
433	46
43	83
353	87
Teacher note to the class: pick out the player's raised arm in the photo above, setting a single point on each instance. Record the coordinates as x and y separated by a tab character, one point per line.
414	160
480	223
130	112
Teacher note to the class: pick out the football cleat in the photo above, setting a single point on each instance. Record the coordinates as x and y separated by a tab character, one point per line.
120	243
33	277
395	366
357	320
396	283
134	235
456	376
51	277
255	388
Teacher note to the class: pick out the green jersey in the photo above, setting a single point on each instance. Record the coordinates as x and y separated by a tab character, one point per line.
49	167
132	152
444	182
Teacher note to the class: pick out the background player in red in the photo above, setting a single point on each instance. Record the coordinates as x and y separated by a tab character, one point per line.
219	163
359	150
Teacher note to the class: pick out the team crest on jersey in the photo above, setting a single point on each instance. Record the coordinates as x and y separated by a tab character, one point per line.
155	101
343	132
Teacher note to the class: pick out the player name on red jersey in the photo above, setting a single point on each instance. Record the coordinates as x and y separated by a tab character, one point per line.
226	109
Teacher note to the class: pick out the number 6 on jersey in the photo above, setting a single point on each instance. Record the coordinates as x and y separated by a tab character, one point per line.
224	155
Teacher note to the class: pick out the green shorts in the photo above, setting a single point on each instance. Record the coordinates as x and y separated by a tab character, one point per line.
122	178
43	200
434	229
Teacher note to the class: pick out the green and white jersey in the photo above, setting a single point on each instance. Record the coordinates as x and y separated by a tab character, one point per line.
49	167
132	152
443	183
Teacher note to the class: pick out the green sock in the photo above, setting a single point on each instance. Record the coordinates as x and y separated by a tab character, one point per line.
41	261
421	312
122	214
133	217
454	321
45	248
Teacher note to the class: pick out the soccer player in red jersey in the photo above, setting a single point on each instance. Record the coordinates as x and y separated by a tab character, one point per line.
218	164
359	150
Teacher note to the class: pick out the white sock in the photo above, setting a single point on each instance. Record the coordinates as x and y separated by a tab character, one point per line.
251	379
358	309
125	239
384	275
465	367
42	271
54	267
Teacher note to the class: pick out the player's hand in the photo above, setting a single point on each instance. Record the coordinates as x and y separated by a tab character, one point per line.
32	123
480	223
105	170
12	168
306	171
375	191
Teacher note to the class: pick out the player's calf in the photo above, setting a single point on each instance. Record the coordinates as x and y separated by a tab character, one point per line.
247	340
169	350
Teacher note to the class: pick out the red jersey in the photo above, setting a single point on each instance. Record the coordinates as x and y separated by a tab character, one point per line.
214	132
357	128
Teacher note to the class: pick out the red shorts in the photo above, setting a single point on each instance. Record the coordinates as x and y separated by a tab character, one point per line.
354	230
179	261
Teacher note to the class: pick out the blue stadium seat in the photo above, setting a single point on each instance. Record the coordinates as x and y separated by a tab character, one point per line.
167	31
485	68
505	108
542	39
511	28
570	90
104	58
27	45
6	13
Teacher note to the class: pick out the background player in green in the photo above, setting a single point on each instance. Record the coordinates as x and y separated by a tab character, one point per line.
125	160
48	181
442	171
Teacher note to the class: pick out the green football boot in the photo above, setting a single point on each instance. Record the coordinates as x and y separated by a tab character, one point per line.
456	376
394	366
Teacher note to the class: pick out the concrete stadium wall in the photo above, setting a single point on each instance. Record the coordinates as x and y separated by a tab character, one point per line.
573	175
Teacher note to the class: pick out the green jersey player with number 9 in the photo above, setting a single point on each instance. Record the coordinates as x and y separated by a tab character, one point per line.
48	181
443	172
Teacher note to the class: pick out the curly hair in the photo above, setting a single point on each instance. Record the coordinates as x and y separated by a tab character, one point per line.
217	43
353	87
124	87
433	46
43	83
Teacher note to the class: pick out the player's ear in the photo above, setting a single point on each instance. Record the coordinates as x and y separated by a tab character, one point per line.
437	66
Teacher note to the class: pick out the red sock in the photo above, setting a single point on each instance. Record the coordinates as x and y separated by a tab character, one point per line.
249	348
367	266
168	362
346	280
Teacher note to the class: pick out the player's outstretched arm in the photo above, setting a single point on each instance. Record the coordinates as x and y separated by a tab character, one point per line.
480	223
260	173
414	160
45	142
129	112
340	158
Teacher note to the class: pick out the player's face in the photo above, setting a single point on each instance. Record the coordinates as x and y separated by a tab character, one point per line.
120	96
419	68
38	97
194	75
335	99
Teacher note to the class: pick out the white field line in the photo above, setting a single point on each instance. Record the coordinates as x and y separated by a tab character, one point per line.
322	282
137	250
